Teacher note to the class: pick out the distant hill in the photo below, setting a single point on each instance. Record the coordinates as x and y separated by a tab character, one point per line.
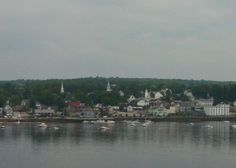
92	90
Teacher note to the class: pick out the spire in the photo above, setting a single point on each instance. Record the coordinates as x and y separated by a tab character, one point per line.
108	87
62	88
147	94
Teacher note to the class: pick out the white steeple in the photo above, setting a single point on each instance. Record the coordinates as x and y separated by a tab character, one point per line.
62	88
147	94
108	87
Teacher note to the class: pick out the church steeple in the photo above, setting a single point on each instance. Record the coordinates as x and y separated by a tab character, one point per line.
108	87
147	94
62	88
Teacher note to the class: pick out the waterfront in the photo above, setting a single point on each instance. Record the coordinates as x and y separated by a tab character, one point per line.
77	145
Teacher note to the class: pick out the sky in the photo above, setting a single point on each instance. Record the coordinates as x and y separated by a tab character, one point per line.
187	39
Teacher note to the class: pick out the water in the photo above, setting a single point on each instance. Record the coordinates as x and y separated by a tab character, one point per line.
163	144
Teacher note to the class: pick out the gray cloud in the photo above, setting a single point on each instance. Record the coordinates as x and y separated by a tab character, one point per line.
131	38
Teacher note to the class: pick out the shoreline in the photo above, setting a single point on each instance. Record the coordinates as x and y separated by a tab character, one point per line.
155	119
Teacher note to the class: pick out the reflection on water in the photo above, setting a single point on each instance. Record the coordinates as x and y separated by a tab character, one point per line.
184	143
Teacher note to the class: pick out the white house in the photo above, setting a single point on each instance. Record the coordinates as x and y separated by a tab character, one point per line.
158	95
147	94
8	110
121	93
131	98
142	103
189	94
129	109
204	102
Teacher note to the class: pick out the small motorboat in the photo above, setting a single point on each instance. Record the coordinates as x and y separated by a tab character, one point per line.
209	126
132	124
233	126
136	122
56	128
104	128
145	124
3	126
110	122
42	125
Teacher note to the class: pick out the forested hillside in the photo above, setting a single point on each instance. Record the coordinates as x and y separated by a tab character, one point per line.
93	90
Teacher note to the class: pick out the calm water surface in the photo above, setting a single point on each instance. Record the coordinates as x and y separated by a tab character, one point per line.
163	144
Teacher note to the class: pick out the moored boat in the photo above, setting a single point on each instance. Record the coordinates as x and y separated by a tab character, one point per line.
234	126
110	122
42	125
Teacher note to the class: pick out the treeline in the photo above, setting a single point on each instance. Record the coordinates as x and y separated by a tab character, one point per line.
93	90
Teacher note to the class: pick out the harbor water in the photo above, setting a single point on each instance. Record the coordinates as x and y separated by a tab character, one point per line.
121	145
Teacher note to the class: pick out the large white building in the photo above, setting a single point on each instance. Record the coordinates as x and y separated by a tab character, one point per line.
218	110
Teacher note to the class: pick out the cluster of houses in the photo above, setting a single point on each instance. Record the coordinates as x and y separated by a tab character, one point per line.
22	110
155	105
150	104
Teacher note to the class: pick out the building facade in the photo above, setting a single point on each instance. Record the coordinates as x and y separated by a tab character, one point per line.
218	110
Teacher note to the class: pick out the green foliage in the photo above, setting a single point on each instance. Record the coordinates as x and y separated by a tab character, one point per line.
92	90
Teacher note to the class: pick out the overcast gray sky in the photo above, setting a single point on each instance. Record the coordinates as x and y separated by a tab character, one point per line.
189	39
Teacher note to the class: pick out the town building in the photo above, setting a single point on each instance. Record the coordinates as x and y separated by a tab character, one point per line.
131	98
129	109
49	112
218	110
158	112
8	111
74	106
185	106
142	103
204	102
158	95
189	94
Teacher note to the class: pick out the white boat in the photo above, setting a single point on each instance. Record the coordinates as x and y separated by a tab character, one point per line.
56	128
110	122
209	126
148	121
234	126
132	124
100	121
104	128
3	126
191	123
85	122
226	121
42	125
145	124
136	122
